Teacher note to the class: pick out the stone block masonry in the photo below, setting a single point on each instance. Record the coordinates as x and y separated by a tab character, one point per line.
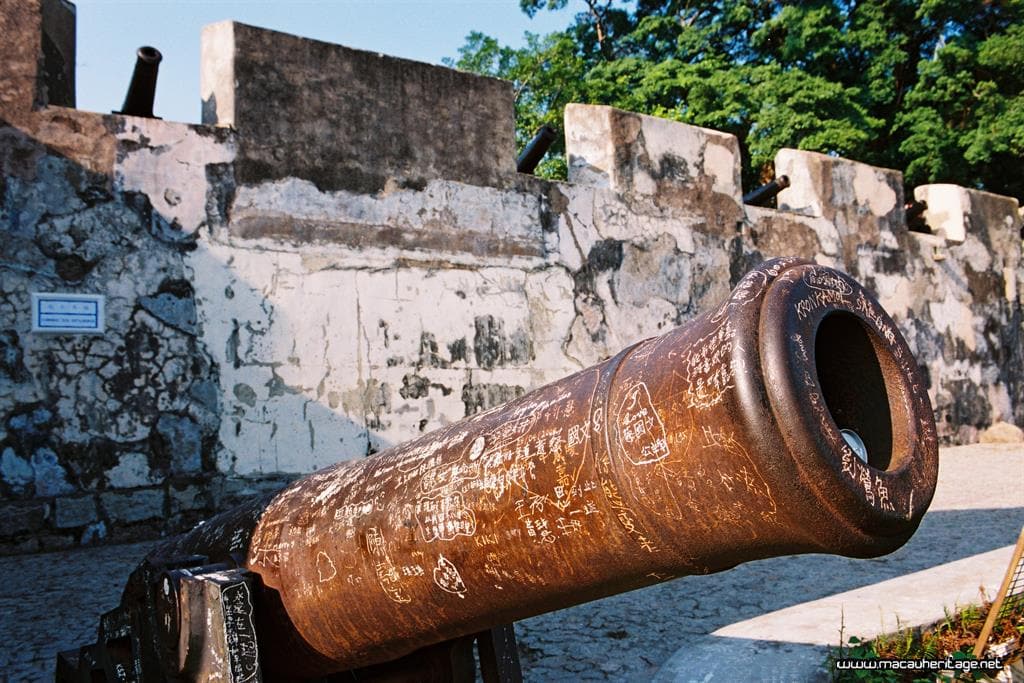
342	258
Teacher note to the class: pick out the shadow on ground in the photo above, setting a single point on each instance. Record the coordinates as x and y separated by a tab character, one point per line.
629	636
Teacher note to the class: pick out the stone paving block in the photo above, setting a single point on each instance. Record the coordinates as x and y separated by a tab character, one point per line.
188	498
132	471
22	517
183	441
51	477
133	506
74	511
15	470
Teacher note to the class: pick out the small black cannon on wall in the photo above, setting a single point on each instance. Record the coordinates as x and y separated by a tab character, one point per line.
142	88
790	419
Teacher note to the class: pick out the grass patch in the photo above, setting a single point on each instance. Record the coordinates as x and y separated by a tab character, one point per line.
952	637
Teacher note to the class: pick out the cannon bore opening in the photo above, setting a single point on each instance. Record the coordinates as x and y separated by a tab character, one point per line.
149	54
853	383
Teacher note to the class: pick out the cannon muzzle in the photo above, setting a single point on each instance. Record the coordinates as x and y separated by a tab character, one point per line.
760	196
142	89
790	419
914	210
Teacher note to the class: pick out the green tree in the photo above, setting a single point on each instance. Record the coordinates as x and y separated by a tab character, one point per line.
933	88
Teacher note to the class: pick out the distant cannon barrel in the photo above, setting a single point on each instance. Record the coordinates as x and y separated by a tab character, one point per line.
536	148
914	210
142	89
790	419
762	195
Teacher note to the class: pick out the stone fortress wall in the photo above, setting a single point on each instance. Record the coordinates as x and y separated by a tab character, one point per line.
342	256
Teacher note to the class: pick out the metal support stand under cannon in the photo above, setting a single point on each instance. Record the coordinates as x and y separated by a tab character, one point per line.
202	615
791	419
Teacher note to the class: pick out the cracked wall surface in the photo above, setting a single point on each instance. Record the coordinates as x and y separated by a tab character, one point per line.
265	320
87	416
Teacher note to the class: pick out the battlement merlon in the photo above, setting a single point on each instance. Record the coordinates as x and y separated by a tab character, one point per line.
954	211
636	154
351	120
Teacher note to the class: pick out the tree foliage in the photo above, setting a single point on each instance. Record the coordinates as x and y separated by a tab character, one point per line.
933	88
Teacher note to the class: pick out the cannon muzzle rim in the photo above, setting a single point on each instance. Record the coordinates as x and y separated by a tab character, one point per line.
149	54
834	360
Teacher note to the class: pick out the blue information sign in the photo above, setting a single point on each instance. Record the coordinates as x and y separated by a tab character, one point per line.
69	313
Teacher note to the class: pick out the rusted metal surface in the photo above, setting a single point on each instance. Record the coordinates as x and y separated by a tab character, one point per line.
715	444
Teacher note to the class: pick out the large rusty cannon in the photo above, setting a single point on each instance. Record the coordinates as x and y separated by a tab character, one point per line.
791	419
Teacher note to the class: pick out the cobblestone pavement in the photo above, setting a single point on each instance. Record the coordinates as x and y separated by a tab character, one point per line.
51	602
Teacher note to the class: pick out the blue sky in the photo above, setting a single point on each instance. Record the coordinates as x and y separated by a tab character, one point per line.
109	31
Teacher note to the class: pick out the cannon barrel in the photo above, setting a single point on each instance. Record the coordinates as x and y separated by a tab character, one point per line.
760	196
535	149
914	210
790	419
142	88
